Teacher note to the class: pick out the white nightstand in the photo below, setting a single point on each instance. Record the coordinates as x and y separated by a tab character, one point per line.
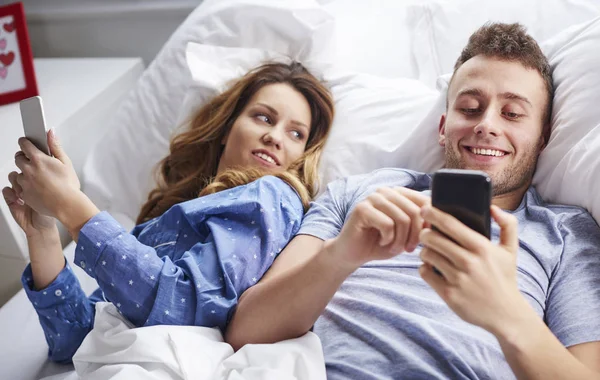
80	96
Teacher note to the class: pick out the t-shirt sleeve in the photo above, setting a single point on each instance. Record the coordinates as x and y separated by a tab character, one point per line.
327	213
573	301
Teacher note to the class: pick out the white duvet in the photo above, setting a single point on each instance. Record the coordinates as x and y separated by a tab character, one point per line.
115	350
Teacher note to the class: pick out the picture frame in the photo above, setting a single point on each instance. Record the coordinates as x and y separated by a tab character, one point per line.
17	74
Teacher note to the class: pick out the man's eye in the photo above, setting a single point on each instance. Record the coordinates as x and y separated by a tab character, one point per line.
512	115
470	111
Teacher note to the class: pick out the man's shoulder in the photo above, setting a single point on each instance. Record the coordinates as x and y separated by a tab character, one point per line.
566	215
388	177
348	191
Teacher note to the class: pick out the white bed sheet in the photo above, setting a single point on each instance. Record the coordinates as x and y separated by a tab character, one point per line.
23	349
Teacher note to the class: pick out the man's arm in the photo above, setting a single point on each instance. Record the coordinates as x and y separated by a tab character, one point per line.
291	296
533	352
479	283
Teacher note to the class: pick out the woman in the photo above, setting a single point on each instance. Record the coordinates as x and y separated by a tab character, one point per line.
210	229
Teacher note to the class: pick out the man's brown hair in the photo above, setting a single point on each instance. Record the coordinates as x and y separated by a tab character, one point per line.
510	42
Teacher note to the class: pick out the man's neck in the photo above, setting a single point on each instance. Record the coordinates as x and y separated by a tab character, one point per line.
511	200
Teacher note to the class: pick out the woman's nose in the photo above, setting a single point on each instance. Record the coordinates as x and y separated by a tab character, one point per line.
273	137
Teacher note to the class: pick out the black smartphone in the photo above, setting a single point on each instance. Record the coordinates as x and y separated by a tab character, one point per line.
466	195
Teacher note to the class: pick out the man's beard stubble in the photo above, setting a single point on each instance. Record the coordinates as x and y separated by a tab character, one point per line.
511	178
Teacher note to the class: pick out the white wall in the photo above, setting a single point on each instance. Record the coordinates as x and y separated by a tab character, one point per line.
103	28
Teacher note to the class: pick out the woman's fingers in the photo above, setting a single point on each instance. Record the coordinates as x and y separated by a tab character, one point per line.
9	195
21	161
16	188
12	178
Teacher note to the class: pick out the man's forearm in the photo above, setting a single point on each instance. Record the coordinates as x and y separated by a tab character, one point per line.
533	352
287	306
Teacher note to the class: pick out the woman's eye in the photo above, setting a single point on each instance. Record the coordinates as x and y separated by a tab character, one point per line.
297	135
264	118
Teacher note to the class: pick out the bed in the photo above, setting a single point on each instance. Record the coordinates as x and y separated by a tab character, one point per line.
385	62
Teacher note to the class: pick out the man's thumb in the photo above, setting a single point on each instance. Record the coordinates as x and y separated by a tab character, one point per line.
55	148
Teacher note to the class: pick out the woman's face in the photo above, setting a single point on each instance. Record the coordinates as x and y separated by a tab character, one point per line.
271	132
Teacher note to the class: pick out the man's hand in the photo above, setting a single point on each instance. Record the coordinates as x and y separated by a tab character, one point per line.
479	281
386	223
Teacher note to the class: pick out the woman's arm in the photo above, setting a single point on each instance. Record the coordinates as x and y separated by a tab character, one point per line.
46	256
213	249
66	314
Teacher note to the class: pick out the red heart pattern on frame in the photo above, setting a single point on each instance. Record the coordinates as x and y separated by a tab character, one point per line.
10	27
7	59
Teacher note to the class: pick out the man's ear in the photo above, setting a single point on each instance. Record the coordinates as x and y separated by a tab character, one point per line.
442	131
545	137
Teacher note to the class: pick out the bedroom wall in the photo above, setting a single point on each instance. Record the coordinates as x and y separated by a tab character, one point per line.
103	28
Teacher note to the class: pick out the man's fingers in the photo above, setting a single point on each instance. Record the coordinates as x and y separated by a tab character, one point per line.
416	197
437	282
509	237
413	210
373	218
441	263
411	227
454	229
454	253
400	221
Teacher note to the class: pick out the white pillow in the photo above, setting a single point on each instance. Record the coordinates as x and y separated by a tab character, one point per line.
373	37
568	168
440	29
373	115
118	172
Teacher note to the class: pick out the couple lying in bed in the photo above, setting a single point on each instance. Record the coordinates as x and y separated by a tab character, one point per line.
211	245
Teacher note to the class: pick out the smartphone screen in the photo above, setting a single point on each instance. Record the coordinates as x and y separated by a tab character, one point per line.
466	195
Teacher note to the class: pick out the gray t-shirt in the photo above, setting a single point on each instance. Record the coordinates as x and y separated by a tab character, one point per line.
385	322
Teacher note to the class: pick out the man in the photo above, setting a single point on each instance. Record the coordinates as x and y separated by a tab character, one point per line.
526	304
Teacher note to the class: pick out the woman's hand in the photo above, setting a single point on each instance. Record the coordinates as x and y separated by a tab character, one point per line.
47	184
479	278
31	222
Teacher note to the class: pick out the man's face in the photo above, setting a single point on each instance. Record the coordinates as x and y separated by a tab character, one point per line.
494	121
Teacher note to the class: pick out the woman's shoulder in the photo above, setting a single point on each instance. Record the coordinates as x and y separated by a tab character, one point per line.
272	187
268	188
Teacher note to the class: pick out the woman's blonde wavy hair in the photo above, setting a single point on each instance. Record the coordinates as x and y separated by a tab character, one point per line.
190	169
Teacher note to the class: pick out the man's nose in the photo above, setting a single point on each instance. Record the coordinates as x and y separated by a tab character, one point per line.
488	125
